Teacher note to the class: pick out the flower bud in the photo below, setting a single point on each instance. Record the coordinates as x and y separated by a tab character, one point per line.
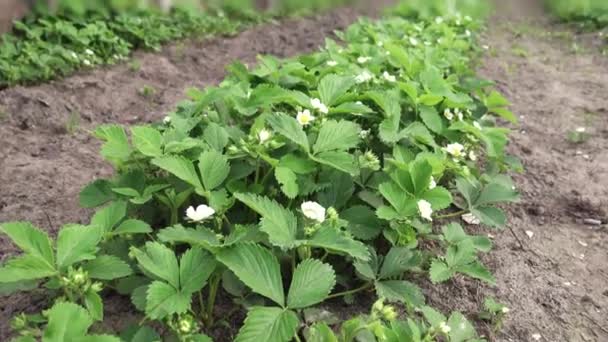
389	313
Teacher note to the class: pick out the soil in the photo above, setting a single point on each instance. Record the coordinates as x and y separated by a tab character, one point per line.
554	280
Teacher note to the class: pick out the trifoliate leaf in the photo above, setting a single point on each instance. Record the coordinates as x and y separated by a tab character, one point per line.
362	222
397	261
77	243
147	140
216	136
214	169
311	283
107	267
30	239
431	119
195	267
265	324
288	181
338	241
439	272
116	148
337	135
332	87
289	127
159	261
279	223
180	167
110	216
67	322
400	291
163	300
257	267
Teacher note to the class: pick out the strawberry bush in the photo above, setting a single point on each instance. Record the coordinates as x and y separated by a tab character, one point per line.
332	176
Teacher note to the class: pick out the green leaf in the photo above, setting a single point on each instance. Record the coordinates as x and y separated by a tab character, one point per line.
440	272
96	193
180	167
7	289
132	226
143	334
397	261
77	243
107	267
434	317
30	239
25	268
335	240
147	140
196	265
290	128
195	237
297	164
337	135
478	271
94	304
321	332
332	87
288	181
67	322
159	261
362	222
116	148
279	223
163	300
342	161
216	136
265	324
461	329
421	173
311	283
257	267
431	119
99	338
439	197
390	105
496	193
214	169
490	216
109	216
400	291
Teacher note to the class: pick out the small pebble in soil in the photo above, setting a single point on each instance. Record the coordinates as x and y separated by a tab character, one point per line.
583	243
536	337
592	222
529	233
567	283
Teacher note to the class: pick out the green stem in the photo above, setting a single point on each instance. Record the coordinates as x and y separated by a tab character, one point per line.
213	287
353	291
454	214
173	215
201	303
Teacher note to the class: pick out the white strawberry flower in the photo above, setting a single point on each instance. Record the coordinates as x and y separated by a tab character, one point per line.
363	59
264	135
472	155
305	117
444	328
318	105
388	77
167	120
459	114
89	52
202	212
505	310
380	44
467	33
433	184
86	62
477	125
581	130
74	55
364	133
314	211
364	76
448	114
413	41
455	149
438	20
424	207
332	63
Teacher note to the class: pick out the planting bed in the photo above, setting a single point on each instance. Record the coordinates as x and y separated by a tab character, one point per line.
549	264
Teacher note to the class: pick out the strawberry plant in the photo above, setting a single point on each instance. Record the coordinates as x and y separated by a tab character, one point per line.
313	179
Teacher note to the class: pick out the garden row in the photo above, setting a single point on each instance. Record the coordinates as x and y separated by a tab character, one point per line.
81	35
291	187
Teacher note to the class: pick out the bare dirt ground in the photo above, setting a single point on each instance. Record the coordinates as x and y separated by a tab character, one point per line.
555	282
